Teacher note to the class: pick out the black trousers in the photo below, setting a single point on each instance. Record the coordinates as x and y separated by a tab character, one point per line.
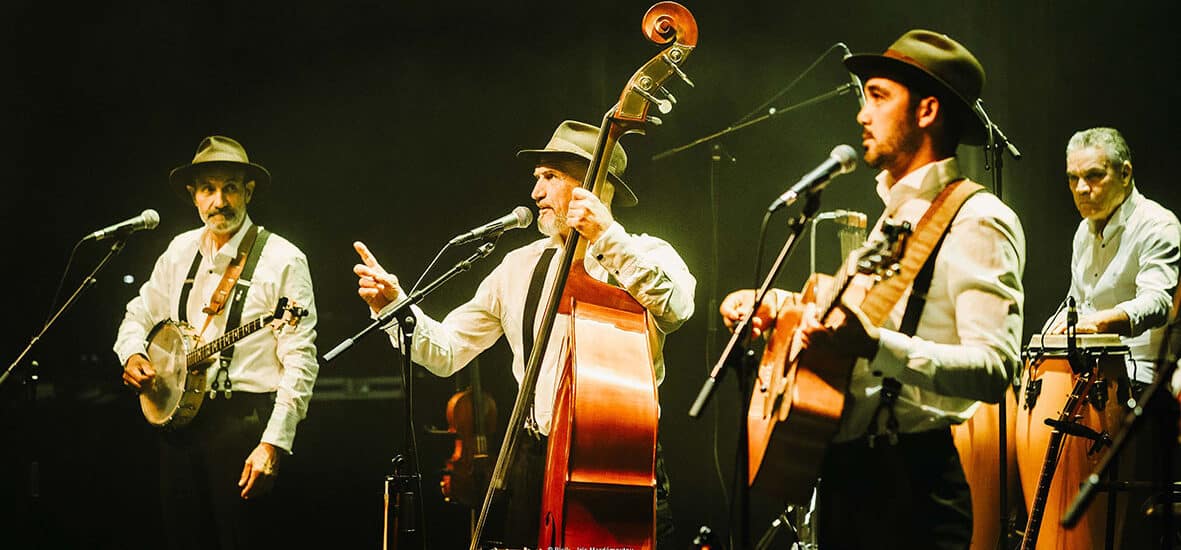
200	465
912	495
522	514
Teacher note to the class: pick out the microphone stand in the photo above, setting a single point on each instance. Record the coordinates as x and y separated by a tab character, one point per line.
742	360
86	283
997	144
771	113
406	478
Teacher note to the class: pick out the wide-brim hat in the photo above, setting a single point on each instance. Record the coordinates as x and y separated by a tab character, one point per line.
575	139
217	150
933	58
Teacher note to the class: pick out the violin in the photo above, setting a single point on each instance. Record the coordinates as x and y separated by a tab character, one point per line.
471	413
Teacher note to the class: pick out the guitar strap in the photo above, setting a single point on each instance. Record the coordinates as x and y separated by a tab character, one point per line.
529	314
918	268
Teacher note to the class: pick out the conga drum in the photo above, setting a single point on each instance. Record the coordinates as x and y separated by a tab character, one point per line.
1046	384
978	442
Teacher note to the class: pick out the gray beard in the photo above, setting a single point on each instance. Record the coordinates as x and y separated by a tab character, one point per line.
552	225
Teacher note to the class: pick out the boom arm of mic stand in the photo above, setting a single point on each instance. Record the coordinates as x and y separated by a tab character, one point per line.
410	299
86	283
838	91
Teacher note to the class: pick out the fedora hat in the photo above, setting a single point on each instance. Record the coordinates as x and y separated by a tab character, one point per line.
922	56
577	139
217	150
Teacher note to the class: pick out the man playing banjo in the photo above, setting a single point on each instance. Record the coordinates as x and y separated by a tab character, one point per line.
221	276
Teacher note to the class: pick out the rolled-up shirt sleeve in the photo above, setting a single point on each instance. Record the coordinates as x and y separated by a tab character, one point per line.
149	307
651	271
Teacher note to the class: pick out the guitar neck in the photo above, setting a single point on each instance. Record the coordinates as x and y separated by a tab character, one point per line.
226	340
1046	478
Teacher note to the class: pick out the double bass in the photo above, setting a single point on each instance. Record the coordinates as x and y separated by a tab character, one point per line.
600	483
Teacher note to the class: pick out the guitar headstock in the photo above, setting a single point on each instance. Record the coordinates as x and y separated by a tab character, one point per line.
881	257
664	23
287	312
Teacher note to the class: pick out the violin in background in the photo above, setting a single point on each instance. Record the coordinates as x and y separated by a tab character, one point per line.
471	413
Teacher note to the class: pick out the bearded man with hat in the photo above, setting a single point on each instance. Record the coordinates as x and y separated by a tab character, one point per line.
951	340
647	267
213	469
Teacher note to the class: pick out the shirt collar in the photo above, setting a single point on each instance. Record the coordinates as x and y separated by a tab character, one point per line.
230	249
1119	217
926	181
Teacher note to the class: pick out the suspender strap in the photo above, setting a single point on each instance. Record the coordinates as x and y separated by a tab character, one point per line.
528	316
182	313
918	268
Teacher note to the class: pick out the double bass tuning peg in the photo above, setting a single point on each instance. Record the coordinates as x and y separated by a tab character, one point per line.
665	106
672	64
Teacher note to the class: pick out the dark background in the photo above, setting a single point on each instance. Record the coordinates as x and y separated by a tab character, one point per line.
396	123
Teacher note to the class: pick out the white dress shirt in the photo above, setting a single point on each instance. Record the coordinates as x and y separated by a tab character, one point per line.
968	340
1131	266
283	362
647	267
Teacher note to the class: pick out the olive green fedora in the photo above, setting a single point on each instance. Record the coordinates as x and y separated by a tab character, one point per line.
932	58
217	150
578	139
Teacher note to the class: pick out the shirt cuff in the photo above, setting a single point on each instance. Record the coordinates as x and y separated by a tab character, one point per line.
129	350
893	353
609	249
280	430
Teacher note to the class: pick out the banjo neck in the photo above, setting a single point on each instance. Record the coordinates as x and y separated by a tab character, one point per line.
226	340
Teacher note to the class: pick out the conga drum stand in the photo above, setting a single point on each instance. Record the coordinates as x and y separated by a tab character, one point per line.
1155	399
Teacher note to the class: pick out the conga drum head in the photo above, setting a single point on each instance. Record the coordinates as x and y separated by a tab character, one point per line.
167	350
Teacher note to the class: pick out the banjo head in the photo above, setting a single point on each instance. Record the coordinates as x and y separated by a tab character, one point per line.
168	346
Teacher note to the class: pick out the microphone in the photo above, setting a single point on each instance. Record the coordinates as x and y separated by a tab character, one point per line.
519	217
850	218
148	219
1071	328
853	78
842	160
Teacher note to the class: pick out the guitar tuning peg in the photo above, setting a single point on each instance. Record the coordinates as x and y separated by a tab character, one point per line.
677	70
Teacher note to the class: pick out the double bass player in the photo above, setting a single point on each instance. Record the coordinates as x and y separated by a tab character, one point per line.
648	268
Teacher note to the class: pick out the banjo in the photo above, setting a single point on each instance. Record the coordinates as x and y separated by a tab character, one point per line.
175	395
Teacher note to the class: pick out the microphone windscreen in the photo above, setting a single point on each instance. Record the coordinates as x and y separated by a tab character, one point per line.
524	216
846	156
151	218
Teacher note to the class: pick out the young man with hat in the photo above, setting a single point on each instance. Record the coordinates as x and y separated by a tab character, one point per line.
647	267
213	469
926	366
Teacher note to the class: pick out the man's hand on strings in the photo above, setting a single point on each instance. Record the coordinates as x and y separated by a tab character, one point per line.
856	336
376	286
